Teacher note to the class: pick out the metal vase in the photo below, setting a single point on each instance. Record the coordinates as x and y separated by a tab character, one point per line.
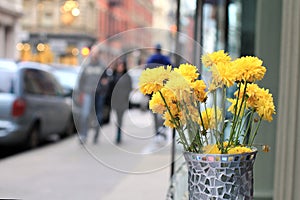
220	176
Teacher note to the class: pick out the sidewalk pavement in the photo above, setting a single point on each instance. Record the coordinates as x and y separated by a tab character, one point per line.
137	169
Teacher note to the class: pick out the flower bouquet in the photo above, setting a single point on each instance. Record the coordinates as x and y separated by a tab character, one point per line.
183	98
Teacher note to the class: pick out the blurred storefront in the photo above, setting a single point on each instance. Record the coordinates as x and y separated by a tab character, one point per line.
58	30
10	13
67	29
117	17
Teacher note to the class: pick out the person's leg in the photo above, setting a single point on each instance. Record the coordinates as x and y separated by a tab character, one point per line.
84	125
99	112
156	123
118	137
97	131
119	126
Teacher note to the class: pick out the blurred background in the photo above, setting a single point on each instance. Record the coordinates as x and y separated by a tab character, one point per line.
61	33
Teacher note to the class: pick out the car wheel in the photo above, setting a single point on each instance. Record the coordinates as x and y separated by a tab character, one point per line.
33	139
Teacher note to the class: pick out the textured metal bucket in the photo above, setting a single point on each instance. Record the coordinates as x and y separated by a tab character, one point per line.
220	176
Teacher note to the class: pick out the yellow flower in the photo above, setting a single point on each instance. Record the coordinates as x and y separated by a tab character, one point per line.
188	71
265	106
215	58
259	99
178	85
191	113
239	150
199	88
169	121
156	103
223	74
249	69
234	109
211	149
152	80
169	96
209	119
180	96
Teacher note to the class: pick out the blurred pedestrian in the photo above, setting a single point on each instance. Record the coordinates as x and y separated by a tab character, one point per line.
100	104
120	96
109	72
87	86
156	60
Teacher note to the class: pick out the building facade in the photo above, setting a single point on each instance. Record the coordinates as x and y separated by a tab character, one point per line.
116	19
63	28
10	13
58	30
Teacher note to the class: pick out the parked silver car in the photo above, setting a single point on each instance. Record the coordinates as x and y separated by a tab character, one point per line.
32	104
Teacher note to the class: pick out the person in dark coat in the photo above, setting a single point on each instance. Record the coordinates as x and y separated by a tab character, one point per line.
120	95
158	59
100	106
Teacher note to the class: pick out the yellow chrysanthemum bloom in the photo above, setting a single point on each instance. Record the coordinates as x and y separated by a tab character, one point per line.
211	149
239	150
253	93
215	58
156	103
191	113
223	74
178	85
169	121
188	71
260	99
265	106
152	80
249	68
159	105
169	95
234	109
199	88
209	119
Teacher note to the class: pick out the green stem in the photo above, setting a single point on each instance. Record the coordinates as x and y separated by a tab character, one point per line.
249	127
208	122
234	117
255	132
237	115
219	139
177	124
240	124
224	109
202	122
192	131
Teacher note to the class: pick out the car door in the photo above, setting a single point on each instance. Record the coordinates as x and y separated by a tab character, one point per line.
39	106
60	110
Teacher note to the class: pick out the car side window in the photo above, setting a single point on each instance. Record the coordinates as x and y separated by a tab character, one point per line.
31	82
51	85
41	83
47	84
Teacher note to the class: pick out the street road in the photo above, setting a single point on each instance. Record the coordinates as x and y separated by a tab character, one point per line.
139	168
